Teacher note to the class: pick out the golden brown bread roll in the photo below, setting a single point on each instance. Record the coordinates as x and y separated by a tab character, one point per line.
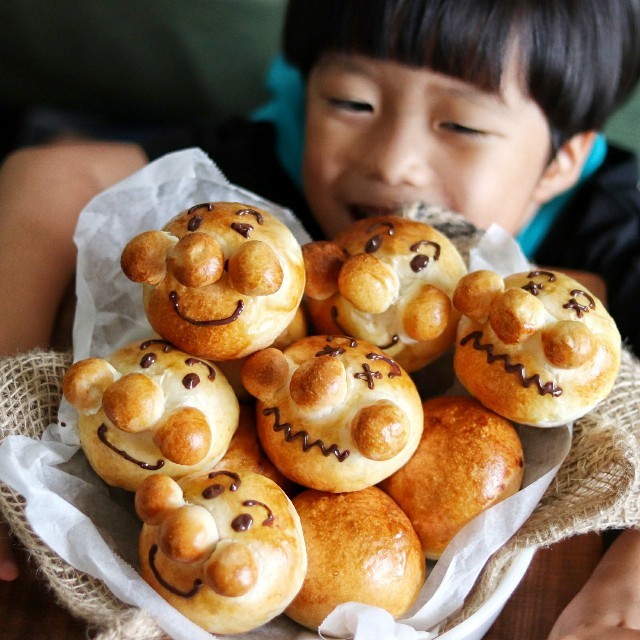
224	548
334	413
149	408
537	348
221	280
468	459
387	280
361	547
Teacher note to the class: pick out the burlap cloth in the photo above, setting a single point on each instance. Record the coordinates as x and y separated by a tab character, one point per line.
596	488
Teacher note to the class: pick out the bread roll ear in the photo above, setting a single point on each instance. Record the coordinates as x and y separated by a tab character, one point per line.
265	372
144	258
322	262
475	293
156	497
85	381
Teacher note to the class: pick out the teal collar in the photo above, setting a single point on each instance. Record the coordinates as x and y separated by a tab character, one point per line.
531	237
286	110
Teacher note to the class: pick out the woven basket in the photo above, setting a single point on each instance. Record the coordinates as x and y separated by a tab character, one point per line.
596	488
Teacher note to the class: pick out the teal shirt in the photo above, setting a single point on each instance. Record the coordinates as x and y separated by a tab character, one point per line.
531	237
286	111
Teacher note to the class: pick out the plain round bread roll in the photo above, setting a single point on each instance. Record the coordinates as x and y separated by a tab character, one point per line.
225	548
361	547
221	279
468	459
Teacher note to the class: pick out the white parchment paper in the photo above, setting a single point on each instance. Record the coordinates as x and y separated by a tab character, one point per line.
95	529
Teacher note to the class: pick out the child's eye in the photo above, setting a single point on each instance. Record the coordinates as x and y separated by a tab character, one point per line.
351	105
459	128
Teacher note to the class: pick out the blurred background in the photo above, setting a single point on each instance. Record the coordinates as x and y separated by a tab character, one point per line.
126	68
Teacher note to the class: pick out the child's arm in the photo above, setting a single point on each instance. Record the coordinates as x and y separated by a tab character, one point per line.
8	564
608	606
42	191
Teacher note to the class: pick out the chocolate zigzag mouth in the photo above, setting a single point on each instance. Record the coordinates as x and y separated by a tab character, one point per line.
511	367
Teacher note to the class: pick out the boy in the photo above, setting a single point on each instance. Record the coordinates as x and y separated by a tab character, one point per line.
489	108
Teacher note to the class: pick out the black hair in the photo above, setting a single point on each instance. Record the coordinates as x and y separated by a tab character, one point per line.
579	59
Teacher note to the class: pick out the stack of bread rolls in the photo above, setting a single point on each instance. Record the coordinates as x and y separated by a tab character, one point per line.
282	457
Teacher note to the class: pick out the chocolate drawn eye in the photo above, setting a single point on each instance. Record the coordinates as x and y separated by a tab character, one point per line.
420	262
534	287
580	309
244	521
216	489
375	241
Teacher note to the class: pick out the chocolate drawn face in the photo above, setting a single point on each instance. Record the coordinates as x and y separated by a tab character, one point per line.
212	272
387	280
334	413
220	545
535	347
151	407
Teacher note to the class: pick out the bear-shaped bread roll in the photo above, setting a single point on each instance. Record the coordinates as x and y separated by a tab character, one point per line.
361	547
468	459
220	281
224	548
151	408
334	413
537	347
387	280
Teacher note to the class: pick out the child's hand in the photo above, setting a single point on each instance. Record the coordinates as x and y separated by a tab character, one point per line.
608	606
8	564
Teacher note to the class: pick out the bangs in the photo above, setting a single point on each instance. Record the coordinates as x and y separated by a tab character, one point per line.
437	34
577	59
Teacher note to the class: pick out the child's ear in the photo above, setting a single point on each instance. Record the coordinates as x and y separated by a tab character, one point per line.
565	168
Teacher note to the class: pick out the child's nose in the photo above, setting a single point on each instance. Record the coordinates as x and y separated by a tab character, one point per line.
398	154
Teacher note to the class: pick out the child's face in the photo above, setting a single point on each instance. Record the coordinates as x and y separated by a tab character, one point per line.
381	135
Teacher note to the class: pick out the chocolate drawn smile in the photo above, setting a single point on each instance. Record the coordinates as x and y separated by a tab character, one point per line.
197	583
102	435
218	322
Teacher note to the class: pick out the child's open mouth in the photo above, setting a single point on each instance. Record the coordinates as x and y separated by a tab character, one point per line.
360	211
